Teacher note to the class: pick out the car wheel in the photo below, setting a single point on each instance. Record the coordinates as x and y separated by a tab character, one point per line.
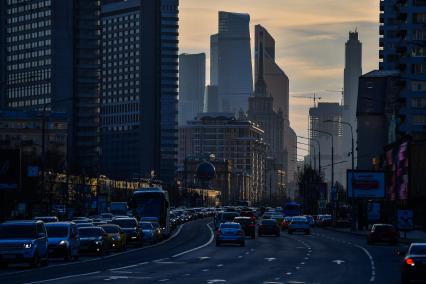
290	232
67	256
45	261
405	280
35	262
101	252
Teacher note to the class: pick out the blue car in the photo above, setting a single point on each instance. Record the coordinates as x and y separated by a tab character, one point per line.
230	232
63	240
23	241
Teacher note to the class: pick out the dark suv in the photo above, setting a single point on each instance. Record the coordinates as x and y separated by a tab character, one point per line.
130	226
382	233
248	225
23	241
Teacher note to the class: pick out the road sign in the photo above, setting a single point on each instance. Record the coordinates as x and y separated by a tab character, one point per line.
405	220
365	184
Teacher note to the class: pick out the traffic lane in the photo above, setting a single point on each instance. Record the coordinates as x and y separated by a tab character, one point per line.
261	260
386	260
191	235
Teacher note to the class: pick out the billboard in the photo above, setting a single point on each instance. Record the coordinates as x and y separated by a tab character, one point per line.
365	184
397	166
9	169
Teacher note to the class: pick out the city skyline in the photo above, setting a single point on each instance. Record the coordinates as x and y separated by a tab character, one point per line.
310	43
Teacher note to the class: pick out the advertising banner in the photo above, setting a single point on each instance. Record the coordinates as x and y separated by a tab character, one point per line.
365	184
373	211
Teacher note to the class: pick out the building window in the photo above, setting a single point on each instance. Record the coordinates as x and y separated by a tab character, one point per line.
419	120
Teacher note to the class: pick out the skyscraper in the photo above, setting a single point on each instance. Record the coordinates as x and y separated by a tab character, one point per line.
139	88
353	70
50	61
402	37
278	86
234	70
192	84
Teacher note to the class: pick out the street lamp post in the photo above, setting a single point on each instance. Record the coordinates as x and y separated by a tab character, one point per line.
353	225
319	151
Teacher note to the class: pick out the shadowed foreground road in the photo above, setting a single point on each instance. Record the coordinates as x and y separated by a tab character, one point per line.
192	257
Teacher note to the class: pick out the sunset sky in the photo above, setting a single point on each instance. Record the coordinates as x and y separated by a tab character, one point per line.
310	38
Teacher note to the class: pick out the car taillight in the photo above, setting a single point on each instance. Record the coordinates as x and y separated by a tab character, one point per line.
410	261
218	232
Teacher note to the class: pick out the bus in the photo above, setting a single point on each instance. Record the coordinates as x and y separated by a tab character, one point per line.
152	202
292	209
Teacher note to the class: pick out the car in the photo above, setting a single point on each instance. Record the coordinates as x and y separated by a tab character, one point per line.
106	216
116	236
382	233
230	232
84	224
269	227
130	226
248	225
150	233
23	242
157	231
63	240
93	240
324	220
310	220
414	264
223	217
299	224
279	219
286	222
47	219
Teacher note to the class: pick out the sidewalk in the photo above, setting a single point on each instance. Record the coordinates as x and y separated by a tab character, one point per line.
412	236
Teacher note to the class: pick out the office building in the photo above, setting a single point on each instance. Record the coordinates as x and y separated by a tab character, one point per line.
192	84
402	37
375	115
229	138
231	69
277	84
211	99
50	61
139	88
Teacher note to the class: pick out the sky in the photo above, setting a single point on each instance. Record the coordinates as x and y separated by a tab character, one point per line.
310	40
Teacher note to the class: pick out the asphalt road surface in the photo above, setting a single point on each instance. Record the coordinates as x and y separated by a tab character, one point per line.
190	256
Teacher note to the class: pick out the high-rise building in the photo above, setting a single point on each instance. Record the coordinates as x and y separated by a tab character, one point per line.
402	37
353	70
231	62
211	99
192	84
50	61
139	88
229	138
277	83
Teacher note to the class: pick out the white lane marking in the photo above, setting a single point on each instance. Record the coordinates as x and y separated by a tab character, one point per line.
373	267
212	281
204	258
288	273
199	247
270	259
116	278
65	277
219	265
338	261
164	280
205	270
129	266
161	259
240	256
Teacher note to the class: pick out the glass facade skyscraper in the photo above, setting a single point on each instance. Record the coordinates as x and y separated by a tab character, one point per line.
50	61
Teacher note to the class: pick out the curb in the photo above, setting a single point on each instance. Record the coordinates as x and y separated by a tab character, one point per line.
400	240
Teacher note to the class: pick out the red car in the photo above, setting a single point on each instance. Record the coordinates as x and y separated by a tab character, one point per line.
383	233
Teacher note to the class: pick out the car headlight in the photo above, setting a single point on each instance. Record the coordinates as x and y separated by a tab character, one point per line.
63	243
97	243
28	246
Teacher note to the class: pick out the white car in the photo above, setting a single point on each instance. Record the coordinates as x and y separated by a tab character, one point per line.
299	224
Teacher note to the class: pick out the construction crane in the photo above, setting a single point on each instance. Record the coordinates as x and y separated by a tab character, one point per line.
314	98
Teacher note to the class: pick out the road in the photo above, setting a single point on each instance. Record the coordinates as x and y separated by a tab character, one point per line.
191	256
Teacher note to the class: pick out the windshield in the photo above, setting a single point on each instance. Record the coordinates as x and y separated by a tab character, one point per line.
90	232
146	226
17	231
418	250
230	226
229	216
57	231
269	222
243	221
125	223
111	229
